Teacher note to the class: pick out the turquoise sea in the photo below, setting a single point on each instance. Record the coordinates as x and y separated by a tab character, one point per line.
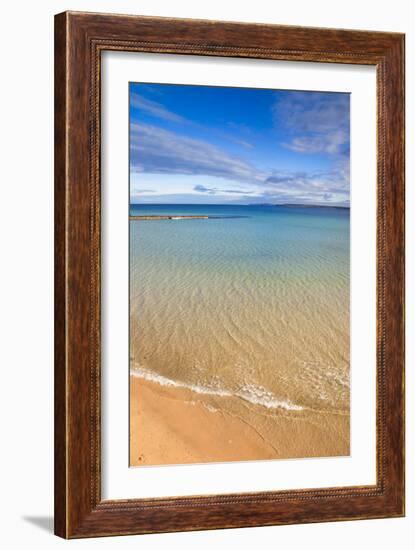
253	303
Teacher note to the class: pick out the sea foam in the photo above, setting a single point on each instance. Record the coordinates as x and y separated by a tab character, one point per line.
252	393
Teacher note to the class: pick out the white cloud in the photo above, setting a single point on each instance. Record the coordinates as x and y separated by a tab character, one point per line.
161	151
155	109
318	122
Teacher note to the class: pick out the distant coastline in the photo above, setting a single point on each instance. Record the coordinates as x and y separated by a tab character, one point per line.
284	205
312	206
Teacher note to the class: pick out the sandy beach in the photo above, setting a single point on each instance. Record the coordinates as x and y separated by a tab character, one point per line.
173	425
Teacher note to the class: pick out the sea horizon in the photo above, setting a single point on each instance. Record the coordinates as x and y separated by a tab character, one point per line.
288	205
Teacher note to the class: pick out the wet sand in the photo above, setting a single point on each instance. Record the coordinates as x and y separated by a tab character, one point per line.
170	425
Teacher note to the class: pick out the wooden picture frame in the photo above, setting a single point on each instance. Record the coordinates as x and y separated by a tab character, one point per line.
79	40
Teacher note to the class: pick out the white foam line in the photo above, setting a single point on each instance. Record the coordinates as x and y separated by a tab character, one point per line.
257	395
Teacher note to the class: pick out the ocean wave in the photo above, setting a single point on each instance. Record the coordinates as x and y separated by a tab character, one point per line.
329	383
252	393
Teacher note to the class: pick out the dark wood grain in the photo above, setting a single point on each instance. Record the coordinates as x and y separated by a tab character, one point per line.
79	40
60	277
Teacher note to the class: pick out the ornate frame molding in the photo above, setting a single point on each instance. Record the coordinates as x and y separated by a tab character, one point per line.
79	40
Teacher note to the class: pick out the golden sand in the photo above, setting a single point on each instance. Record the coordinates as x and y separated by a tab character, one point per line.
170	425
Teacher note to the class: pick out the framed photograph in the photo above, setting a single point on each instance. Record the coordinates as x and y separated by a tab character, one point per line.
229	275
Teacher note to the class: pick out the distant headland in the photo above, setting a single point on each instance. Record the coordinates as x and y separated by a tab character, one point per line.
292	205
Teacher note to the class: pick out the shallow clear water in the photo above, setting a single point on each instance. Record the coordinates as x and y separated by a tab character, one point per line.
252	303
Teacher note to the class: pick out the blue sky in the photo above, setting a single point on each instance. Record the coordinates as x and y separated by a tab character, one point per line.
203	144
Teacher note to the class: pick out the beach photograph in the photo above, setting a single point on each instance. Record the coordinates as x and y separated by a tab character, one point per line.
239	275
